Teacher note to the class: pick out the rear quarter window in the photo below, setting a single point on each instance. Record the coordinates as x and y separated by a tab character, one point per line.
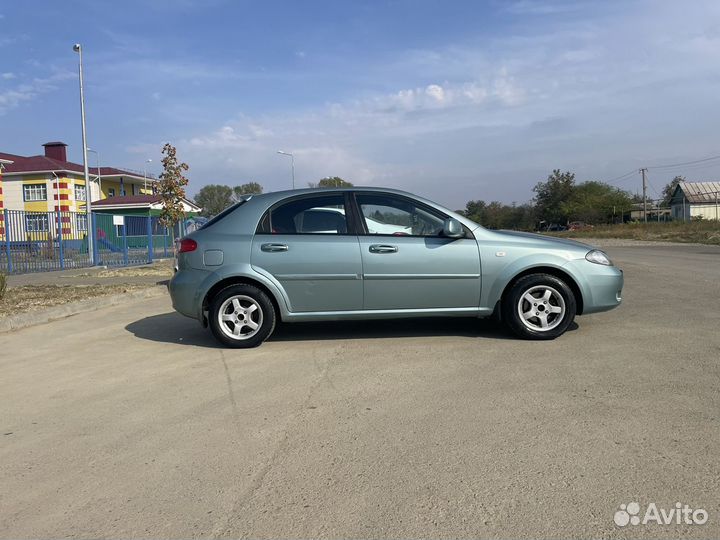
222	215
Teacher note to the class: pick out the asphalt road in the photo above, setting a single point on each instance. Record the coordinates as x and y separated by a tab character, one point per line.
130	422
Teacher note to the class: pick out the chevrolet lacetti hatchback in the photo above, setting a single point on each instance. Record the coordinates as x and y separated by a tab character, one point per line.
364	253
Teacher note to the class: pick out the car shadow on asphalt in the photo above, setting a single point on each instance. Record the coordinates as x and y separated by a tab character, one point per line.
174	328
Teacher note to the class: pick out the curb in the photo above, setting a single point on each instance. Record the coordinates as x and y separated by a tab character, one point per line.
33	318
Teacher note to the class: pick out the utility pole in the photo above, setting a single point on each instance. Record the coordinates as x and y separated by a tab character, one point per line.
643	171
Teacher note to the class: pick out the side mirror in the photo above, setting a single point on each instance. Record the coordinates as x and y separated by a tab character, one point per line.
453	229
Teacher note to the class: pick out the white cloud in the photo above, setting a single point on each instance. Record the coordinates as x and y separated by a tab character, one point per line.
533	7
27	91
8	75
436	92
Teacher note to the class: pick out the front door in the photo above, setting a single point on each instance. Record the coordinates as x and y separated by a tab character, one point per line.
408	264
305	244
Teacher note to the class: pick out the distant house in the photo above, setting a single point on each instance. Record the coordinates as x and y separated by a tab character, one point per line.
140	205
49	182
696	200
136	209
654	212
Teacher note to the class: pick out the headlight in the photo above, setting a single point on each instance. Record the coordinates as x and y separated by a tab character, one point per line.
598	257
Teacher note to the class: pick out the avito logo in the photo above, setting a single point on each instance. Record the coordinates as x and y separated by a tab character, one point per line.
680	514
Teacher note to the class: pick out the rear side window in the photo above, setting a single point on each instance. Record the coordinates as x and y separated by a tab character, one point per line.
309	215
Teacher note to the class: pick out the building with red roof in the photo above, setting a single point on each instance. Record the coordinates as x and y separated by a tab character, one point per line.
49	182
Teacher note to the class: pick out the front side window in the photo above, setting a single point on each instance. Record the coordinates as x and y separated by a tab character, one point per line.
310	215
389	215
36	223
111	192
35	192
79	192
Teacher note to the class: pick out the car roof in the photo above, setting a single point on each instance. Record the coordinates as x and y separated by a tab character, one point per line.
274	196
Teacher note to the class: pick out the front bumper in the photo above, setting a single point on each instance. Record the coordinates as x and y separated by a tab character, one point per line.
601	286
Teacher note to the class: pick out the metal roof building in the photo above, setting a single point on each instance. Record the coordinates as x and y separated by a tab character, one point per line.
696	200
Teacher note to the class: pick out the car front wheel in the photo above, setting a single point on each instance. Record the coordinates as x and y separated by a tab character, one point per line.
539	306
241	316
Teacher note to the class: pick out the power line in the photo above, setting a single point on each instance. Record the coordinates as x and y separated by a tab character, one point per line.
621	177
653	187
696	164
694	167
672	165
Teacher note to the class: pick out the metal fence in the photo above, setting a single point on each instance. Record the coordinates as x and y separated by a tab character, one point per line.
42	241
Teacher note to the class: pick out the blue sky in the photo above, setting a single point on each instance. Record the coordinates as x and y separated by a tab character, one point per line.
453	100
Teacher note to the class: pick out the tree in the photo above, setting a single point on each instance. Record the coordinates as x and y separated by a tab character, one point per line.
596	202
669	189
550	195
475	210
251	188
171	189
330	181
496	215
214	198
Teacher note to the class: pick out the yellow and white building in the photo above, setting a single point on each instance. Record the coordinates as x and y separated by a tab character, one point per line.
50	183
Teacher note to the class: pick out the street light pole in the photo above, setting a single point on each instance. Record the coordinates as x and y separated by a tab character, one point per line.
145	174
292	161
97	163
88	202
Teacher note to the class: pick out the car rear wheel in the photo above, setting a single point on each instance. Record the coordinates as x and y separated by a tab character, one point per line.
241	316
539	306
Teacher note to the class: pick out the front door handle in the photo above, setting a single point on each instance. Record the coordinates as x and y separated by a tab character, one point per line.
274	247
383	248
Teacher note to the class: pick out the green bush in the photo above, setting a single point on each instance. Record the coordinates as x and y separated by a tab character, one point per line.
3	285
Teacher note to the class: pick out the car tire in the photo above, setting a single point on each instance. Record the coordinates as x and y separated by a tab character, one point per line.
241	316
539	306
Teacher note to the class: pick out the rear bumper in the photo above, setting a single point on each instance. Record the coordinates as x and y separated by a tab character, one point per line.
601	286
185	287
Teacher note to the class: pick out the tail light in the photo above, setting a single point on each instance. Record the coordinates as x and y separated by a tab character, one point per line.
187	245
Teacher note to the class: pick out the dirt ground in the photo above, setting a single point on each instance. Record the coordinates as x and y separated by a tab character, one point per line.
42	290
161	269
38	297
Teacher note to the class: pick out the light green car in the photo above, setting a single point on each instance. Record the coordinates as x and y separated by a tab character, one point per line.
370	253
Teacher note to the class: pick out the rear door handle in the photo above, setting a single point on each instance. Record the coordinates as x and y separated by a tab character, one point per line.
274	247
383	248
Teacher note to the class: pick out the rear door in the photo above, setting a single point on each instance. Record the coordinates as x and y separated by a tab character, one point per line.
308	246
407	263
